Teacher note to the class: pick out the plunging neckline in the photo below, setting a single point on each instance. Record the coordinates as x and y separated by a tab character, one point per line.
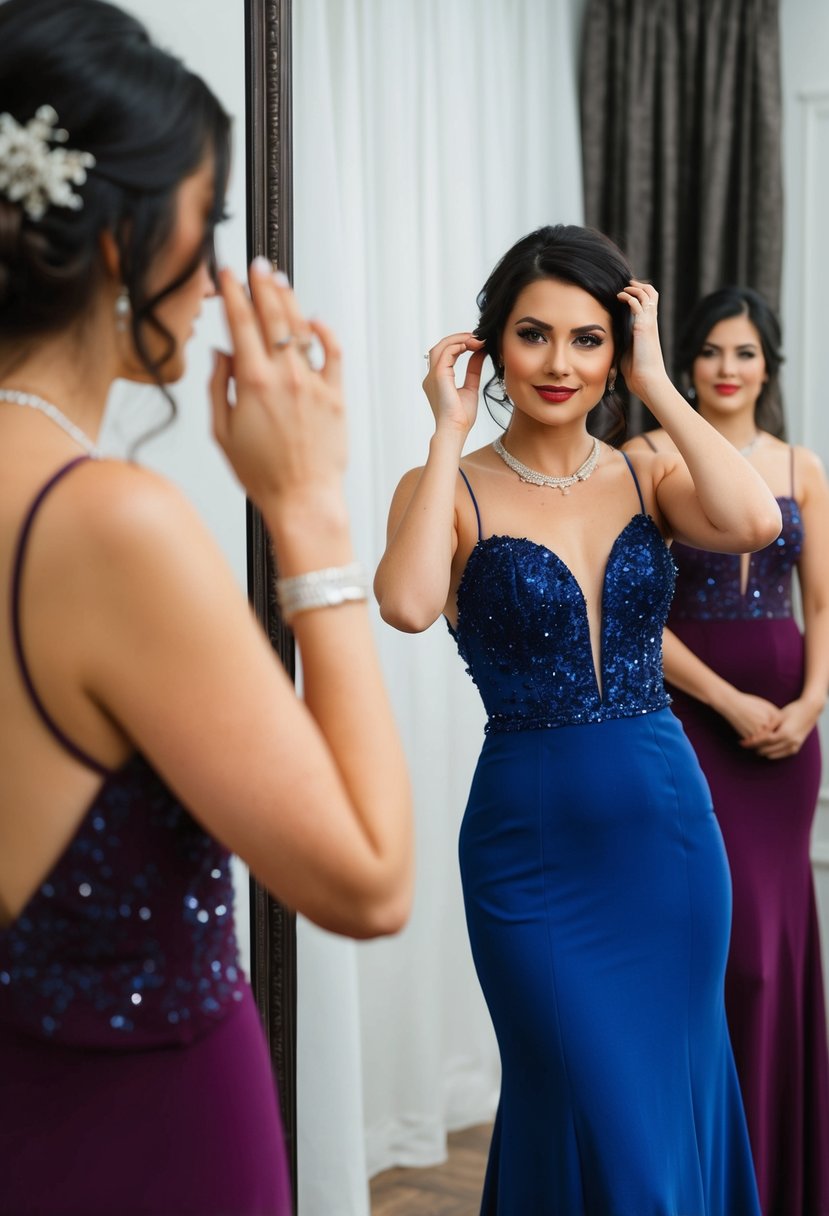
744	572
597	671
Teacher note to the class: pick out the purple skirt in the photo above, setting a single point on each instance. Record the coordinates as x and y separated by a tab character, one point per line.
176	1131
774	987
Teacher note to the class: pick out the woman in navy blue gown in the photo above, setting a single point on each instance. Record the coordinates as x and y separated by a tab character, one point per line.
596	887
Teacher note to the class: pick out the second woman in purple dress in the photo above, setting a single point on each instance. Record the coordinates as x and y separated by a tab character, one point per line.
749	687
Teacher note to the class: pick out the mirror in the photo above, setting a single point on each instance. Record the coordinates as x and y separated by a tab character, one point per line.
421	150
270	232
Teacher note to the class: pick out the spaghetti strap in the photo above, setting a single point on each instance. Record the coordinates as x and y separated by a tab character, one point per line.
474	502
17	639
635	482
791	468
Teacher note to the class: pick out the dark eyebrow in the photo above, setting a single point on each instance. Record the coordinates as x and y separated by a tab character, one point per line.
580	329
741	346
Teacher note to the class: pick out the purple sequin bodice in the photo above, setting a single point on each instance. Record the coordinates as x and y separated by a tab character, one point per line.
524	634
708	584
129	941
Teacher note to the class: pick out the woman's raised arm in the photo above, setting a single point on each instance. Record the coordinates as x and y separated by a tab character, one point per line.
413	579
314	796
712	498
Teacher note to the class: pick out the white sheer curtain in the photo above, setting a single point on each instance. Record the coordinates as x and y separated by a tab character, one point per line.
429	135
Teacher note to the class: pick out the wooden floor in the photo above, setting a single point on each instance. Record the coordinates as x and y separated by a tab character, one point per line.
453	1189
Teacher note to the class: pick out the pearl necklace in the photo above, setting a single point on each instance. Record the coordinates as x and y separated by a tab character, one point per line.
541	479
32	401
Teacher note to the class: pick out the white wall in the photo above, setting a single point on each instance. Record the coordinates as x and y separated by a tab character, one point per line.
805	35
209	36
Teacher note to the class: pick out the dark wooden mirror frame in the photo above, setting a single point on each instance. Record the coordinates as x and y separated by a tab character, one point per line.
270	233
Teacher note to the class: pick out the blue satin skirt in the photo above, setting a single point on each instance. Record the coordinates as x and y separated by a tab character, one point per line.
598	902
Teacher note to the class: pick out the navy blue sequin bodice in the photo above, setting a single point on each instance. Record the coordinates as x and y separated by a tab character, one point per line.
523	631
708	586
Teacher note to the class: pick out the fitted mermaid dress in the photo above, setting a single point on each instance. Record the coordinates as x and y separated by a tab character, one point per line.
774	989
597	898
134	1074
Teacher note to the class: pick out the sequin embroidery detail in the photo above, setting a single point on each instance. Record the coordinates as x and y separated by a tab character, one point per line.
708	584
131	936
523	631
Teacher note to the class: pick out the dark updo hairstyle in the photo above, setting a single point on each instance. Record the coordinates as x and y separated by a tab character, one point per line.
571	254
149	123
738	302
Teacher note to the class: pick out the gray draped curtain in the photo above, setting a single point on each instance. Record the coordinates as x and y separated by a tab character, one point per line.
681	122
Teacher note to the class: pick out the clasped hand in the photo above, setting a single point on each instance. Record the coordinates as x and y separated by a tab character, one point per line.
764	727
785	735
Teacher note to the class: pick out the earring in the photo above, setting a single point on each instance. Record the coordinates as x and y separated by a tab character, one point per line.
692	393
122	310
611	385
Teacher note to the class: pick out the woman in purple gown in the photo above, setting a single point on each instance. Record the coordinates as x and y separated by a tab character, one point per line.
749	689
148	729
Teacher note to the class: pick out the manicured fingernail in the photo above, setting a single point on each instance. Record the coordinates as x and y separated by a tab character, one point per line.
281	278
260	265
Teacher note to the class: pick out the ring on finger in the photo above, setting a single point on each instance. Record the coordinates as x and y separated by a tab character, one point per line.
282	343
305	346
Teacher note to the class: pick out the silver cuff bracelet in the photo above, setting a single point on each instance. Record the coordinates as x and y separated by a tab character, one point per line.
326	588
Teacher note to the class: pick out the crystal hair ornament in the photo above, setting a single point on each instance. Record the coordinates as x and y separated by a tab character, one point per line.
35	174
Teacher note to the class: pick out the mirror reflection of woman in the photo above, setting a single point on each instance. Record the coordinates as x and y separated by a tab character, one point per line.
595	881
749	688
148	728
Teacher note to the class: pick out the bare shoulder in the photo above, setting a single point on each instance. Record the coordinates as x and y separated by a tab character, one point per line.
808	462
403	492
122	507
660	441
481	458
126	489
654	461
809	473
136	535
410	478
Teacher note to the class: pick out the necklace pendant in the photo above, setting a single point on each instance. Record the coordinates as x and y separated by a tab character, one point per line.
564	490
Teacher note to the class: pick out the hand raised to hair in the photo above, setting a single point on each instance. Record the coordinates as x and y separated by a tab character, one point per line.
285	435
452	404
644	366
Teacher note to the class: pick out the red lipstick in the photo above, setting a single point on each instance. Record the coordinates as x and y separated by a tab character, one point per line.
726	390
554	393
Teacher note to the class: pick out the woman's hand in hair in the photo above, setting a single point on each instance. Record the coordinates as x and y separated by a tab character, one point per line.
285	435
644	366
452	404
